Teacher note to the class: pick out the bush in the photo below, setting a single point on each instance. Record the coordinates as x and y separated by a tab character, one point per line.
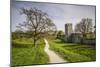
22	42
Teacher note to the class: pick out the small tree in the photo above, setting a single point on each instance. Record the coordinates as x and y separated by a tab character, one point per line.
37	22
59	33
84	26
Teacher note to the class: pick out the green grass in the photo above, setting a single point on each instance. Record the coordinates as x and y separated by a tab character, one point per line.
73	52
22	42
25	54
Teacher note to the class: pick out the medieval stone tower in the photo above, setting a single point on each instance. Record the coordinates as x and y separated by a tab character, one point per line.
68	29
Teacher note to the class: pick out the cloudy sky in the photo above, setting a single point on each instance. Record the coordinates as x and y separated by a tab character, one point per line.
59	13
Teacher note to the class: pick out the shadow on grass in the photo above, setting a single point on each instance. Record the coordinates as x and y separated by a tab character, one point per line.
19	45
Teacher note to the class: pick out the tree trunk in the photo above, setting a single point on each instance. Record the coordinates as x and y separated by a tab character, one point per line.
34	43
84	35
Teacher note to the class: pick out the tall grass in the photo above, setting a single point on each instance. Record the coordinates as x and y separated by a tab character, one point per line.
23	52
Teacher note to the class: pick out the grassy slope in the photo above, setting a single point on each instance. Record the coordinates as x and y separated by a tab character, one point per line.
73	52
25	54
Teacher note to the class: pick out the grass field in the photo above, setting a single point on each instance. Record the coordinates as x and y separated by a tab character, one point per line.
73	52
24	54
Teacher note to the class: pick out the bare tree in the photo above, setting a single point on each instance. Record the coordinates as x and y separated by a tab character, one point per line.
37	22
84	26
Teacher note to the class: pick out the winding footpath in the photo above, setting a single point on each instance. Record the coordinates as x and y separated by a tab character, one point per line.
53	57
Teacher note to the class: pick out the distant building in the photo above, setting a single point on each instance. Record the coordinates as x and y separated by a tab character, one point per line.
74	37
68	29
68	32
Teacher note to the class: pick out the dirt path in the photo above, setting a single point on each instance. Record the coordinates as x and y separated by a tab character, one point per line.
53	57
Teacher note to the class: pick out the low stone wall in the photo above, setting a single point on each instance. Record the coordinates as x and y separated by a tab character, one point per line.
76	39
89	41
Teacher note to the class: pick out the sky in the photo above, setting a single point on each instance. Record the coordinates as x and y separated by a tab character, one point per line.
60	14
